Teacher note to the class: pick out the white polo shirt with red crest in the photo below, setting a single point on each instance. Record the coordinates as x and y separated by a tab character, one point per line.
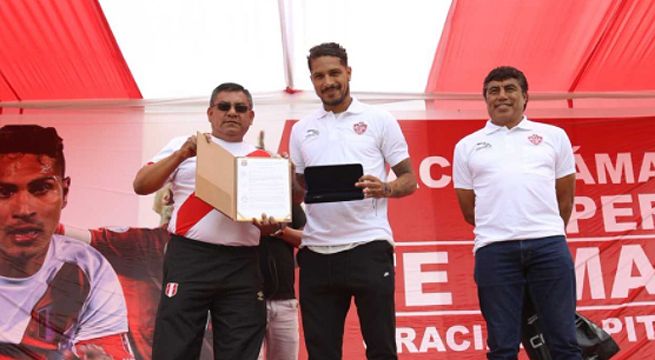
362	134
513	173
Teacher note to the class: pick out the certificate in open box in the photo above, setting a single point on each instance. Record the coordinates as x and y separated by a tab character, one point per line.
242	187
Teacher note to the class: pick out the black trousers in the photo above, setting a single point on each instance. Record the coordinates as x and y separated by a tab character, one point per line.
201	277
327	285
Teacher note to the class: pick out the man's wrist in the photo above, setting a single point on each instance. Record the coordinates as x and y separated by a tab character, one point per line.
180	155
386	189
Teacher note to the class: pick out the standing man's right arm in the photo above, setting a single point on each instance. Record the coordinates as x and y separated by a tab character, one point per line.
152	177
466	200
463	182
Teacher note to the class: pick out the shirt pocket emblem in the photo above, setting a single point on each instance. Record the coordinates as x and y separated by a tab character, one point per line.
360	127
535	139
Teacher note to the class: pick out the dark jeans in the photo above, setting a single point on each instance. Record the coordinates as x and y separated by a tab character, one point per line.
222	279
544	266
327	285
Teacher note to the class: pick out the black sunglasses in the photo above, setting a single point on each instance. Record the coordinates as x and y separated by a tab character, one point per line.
226	106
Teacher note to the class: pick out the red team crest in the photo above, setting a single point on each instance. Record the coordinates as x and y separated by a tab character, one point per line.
171	289
535	139
360	127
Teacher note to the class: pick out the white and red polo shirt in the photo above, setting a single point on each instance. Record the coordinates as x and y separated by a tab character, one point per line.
194	218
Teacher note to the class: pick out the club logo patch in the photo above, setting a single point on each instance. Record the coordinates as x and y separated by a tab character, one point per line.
360	127
171	289
535	139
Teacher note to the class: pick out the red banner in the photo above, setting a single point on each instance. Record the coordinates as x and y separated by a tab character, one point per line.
611	237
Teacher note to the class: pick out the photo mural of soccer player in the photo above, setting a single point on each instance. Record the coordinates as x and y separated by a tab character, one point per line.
60	298
137	255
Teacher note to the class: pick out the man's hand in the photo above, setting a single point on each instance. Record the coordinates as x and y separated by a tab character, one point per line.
267	225
373	187
189	148
152	177
404	184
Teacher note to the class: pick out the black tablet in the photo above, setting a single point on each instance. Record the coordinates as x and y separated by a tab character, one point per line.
330	183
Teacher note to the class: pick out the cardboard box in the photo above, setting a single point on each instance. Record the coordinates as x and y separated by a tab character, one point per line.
241	187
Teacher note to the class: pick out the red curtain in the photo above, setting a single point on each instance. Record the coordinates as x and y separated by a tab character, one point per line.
53	49
561	46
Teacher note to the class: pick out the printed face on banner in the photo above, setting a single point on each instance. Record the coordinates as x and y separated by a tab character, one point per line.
331	81
505	101
32	195
230	124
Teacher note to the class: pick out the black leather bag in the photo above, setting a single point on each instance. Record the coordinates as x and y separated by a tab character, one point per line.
596	344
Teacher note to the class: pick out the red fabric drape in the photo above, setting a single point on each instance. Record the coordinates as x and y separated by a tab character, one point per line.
561	45
53	49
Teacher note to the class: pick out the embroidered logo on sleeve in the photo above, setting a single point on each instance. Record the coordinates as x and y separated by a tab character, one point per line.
482	145
311	132
171	289
535	139
360	127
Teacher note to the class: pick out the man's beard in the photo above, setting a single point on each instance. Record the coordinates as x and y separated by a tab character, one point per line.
337	101
334	102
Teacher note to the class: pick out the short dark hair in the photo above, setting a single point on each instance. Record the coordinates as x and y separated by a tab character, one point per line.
230	87
327	49
503	73
33	139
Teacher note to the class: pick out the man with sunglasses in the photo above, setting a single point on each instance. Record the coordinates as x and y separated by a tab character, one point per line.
211	262
58	294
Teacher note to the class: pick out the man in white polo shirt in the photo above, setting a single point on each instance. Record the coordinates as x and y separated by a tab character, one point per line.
515	182
211	261
347	247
